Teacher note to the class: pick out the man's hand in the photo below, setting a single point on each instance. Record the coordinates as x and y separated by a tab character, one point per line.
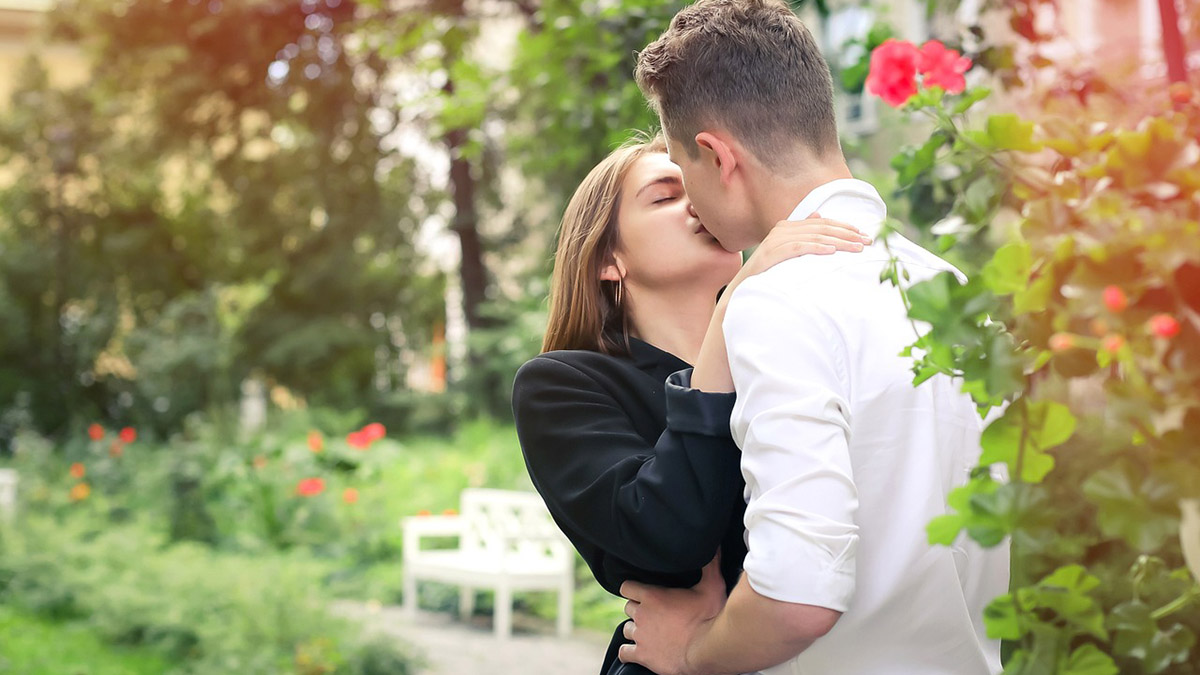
666	622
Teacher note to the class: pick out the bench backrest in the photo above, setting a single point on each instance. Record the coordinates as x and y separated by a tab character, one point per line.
510	522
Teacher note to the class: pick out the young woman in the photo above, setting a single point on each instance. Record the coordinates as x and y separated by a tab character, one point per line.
638	470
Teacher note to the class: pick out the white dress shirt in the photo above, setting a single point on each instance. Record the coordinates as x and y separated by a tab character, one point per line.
846	461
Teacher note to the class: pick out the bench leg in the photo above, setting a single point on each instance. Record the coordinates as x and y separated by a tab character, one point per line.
566	606
502	617
466	602
410	595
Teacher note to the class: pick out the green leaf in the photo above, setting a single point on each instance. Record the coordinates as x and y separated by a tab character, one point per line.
1010	132
1042	425
984	507
1000	618
943	530
1066	592
913	163
970	98
1138	509
977	200
1009	269
1089	660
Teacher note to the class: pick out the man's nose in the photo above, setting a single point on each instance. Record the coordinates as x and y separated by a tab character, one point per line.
692	210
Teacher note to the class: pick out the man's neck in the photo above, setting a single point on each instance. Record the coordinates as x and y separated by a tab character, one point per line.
779	195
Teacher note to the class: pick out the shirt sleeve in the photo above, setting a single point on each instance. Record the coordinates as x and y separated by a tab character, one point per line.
661	506
792	421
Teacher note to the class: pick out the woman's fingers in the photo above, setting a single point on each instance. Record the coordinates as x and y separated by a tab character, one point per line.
631	608
810	238
831	228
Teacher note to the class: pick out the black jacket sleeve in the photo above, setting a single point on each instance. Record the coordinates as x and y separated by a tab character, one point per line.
661	507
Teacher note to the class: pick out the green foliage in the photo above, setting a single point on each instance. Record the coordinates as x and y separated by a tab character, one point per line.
203	611
1085	322
216	198
77	649
578	100
249	488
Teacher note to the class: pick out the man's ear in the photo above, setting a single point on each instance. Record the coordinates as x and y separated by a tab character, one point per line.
720	151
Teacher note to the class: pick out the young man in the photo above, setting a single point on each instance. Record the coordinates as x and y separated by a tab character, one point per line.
845	460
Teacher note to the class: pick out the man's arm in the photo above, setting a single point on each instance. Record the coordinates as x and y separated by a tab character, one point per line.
675	633
789	363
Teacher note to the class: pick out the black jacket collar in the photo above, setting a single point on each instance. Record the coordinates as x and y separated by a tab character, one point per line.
654	361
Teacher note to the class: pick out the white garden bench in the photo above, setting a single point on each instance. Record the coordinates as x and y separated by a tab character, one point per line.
506	542
8	492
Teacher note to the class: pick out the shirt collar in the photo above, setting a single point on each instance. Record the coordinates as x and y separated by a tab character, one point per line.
842	194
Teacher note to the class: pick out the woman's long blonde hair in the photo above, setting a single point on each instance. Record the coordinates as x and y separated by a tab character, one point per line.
585	312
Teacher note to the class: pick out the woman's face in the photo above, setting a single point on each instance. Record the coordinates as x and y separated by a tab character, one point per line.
662	242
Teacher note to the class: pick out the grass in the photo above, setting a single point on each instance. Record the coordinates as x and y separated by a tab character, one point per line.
32	646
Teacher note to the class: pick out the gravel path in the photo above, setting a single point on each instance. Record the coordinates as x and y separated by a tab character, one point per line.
452	647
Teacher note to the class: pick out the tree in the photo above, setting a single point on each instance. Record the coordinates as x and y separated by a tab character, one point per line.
225	157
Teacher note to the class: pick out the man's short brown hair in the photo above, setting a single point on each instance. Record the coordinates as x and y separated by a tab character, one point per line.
750	66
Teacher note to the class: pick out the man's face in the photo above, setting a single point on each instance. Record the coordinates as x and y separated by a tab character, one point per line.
722	205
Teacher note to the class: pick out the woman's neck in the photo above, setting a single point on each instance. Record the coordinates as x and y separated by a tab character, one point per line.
674	321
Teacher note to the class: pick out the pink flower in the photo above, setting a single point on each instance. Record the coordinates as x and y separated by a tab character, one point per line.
1164	326
350	495
316	442
942	67
893	73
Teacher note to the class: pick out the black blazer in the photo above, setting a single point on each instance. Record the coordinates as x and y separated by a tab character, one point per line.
641	473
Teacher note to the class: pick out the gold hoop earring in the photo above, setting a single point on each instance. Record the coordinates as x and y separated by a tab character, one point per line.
620	292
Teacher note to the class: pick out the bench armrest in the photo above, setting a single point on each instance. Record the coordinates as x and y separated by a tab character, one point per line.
418	527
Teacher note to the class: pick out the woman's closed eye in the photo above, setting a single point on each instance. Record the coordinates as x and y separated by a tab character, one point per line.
664	199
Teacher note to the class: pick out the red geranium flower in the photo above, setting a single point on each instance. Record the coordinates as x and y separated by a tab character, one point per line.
374	431
128	435
1180	92
1061	342
350	495
80	492
95	432
116	449
943	67
1164	326
78	470
358	440
316	442
1115	299
893	73
1112	343
310	487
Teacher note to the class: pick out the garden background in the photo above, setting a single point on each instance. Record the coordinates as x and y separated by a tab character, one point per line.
267	268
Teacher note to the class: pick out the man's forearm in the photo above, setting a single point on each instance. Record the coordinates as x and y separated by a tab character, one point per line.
754	632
